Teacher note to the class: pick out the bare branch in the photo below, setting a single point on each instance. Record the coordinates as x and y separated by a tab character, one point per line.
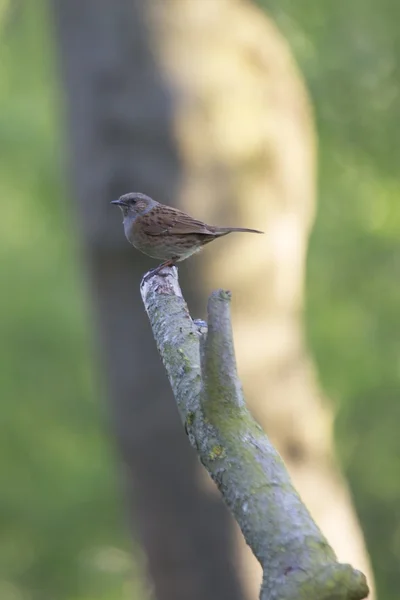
297	560
218	362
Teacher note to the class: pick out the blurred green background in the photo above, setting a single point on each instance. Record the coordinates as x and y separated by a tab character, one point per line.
63	533
349	55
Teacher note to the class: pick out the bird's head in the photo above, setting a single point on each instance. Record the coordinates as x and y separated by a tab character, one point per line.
134	204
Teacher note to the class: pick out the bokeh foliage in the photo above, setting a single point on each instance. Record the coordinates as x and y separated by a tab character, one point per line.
63	534
349	54
62	527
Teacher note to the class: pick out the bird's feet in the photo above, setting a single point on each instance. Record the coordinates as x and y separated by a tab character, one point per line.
158	271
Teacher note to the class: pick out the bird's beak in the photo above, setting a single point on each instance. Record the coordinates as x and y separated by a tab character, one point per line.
118	202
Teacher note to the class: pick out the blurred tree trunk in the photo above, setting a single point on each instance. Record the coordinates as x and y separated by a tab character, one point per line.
198	103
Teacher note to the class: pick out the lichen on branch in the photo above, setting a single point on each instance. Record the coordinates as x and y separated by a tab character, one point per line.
297	561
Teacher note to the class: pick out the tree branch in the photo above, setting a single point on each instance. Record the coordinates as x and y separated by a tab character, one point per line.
297	561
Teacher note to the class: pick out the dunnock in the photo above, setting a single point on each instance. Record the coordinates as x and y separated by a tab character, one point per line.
164	232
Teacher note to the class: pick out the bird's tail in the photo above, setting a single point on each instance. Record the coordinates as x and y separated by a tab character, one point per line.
226	230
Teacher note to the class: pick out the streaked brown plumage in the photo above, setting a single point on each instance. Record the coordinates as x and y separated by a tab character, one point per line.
166	233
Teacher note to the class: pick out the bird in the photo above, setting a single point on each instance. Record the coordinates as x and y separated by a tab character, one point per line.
164	232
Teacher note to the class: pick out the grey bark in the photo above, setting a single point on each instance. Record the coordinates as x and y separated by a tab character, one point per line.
297	560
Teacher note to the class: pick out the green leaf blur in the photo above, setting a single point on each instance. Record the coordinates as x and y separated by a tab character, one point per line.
349	54
62	528
54	460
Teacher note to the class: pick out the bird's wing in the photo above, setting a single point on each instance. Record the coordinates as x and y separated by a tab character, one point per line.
165	220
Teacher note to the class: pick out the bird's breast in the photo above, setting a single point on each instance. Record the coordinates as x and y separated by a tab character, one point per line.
152	245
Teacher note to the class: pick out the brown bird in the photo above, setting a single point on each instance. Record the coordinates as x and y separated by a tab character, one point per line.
164	232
